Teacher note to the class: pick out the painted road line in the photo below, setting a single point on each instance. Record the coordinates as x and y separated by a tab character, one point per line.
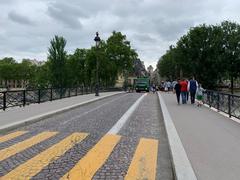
144	162
37	163
182	166
11	136
93	160
16	148
117	127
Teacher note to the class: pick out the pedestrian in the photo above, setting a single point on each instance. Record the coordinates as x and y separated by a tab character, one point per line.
199	93
187	95
174	83
184	86
165	86
177	90
153	88
192	88
162	86
169	84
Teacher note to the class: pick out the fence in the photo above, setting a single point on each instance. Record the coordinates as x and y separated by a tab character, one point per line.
224	102
25	97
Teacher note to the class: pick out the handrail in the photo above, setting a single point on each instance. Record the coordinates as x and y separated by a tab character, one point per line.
227	103
12	98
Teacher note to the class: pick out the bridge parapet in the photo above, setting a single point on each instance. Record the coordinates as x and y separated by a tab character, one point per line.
227	103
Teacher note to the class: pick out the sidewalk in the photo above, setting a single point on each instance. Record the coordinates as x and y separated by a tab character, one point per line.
211	141
13	117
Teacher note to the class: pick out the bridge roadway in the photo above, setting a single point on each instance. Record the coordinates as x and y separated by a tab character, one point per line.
75	143
211	140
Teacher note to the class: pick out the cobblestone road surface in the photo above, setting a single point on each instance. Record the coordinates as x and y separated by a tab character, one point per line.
79	136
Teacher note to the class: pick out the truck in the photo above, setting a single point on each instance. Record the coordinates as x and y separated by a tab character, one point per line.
142	84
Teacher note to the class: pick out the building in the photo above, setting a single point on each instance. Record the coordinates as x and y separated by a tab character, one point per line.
138	71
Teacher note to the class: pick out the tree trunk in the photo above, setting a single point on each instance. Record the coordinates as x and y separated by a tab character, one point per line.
231	84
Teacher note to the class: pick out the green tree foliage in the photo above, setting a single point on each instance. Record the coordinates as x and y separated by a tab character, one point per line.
208	53
231	49
11	70
76	66
119	50
57	62
114	56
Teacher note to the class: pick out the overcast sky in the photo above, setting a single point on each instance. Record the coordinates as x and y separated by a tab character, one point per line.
26	26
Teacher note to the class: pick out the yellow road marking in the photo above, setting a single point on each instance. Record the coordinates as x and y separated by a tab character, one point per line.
11	136
37	163
144	163
93	160
6	153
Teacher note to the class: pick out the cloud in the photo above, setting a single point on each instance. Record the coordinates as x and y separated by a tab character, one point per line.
67	14
145	38
151	25
18	18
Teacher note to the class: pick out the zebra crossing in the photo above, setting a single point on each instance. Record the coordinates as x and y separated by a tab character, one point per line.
143	164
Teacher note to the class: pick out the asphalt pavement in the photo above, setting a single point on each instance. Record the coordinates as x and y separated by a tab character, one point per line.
211	140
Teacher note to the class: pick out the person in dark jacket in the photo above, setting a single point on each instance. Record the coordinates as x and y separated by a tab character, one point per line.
192	88
177	89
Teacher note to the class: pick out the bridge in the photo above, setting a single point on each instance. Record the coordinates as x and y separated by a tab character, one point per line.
119	135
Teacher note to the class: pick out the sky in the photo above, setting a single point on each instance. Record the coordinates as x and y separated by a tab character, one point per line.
27	26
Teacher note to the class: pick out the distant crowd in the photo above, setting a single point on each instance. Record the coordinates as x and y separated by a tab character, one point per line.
183	88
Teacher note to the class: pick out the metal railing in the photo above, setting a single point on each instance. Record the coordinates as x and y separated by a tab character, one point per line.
25	97
224	102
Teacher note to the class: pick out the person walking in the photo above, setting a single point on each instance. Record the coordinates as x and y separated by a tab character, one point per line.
169	85
192	88
187	94
184	91
177	89
200	91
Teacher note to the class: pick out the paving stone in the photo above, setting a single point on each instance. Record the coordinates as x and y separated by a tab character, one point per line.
147	122
19	158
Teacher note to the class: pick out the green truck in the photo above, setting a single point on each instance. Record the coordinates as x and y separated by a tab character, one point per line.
142	84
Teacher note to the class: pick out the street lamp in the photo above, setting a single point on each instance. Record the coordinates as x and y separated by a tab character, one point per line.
97	40
125	77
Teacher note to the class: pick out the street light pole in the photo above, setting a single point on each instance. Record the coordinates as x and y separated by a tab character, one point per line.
97	40
125	77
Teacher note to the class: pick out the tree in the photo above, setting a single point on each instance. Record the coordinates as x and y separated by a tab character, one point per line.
231	49
57	61
8	69
207	52
76	68
119	50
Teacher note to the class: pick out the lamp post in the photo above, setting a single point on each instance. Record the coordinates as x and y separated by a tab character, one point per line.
97	40
125	77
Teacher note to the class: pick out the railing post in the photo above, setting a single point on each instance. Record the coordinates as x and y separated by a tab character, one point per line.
24	97
51	94
39	96
229	105
61	93
76	91
210	99
218	101
82	90
4	100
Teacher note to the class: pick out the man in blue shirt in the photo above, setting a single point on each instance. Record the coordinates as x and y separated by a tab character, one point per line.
192	88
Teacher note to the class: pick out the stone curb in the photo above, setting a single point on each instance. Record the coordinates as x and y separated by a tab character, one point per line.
181	165
40	117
